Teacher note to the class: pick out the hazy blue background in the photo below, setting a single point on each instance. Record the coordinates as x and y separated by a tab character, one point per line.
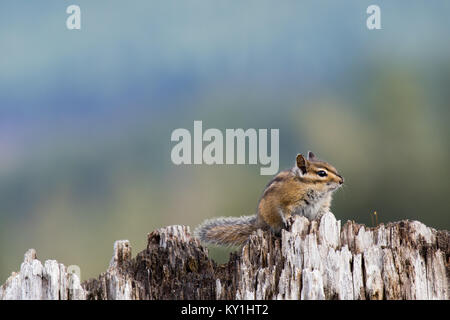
86	116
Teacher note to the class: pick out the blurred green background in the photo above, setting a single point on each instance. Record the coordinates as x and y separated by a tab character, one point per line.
86	116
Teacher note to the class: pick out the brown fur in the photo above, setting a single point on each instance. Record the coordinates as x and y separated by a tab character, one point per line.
230	231
297	191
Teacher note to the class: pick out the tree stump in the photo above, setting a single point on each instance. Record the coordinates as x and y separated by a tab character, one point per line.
311	260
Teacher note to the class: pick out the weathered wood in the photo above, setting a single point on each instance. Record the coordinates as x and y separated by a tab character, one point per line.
313	260
35	281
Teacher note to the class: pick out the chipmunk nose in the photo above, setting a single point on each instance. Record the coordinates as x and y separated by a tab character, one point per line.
342	179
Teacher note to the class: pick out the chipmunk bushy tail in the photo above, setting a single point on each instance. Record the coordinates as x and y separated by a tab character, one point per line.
229	231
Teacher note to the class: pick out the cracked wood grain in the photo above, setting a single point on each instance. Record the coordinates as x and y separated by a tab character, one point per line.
312	260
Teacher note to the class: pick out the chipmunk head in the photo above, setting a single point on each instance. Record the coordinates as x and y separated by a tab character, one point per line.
320	174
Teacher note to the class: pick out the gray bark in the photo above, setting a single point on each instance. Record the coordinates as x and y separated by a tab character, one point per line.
313	260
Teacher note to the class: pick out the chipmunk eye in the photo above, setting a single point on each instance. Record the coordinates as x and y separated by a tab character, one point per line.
321	173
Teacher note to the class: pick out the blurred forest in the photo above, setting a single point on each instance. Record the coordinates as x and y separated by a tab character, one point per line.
86	117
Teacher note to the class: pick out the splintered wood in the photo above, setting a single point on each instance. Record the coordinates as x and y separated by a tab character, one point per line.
313	260
35	281
404	260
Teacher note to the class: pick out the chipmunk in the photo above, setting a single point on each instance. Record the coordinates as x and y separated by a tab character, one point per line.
304	190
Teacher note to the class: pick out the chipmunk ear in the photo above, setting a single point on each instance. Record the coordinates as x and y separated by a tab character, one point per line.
311	156
302	163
